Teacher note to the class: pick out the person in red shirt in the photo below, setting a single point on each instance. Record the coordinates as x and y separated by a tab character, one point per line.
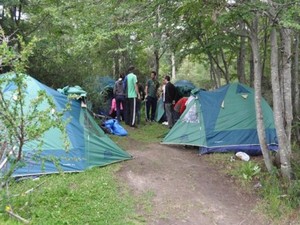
179	107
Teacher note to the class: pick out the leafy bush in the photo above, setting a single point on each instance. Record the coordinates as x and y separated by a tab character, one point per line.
21	121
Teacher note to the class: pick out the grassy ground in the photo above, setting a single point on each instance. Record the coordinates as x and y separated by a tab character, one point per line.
145	133
280	201
95	196
91	197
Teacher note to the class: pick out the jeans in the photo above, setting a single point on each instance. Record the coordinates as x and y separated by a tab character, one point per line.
169	113
151	105
120	99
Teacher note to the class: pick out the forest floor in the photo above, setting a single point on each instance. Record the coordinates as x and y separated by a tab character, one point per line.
185	188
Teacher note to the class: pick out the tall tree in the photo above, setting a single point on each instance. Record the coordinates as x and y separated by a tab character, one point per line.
296	82
279	14
258	96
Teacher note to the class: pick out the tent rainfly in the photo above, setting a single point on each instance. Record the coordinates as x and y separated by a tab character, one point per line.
223	120
89	145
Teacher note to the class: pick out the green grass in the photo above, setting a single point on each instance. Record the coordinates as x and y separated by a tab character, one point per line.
149	133
145	132
91	197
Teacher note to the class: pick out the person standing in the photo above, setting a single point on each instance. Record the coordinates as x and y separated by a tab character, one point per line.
151	88
132	95
119	94
169	100
139	102
179	108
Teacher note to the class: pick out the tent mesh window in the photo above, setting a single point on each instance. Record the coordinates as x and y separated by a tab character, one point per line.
191	116
91	126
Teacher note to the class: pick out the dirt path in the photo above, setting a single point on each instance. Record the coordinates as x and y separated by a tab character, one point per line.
186	189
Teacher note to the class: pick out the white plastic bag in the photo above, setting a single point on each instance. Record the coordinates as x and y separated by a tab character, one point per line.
243	156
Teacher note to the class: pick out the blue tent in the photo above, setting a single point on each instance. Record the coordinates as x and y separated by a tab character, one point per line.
105	88
183	88
223	120
89	145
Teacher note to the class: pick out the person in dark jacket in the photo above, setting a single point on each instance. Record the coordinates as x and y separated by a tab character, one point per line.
169	100
119	93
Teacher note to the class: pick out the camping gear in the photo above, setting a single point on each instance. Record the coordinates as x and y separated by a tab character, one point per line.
243	156
89	145
223	120
115	128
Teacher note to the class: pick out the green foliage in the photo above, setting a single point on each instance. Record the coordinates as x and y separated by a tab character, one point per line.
86	39
271	193
21	120
249	170
280	199
197	73
244	172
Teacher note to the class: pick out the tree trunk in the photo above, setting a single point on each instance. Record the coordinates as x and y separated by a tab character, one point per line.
265	52
226	73
213	73
251	65
296	82
241	59
156	61
257	87
279	108
173	66
157	37
287	82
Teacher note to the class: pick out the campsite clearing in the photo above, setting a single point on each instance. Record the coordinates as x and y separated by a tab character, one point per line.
185	188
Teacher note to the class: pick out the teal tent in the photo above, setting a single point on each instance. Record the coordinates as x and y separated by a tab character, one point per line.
100	88
89	145
183	89
75	92
105	88
160	110
223	120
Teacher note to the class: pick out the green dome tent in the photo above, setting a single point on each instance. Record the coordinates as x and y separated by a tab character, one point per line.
223	120
106	86
89	145
100	89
